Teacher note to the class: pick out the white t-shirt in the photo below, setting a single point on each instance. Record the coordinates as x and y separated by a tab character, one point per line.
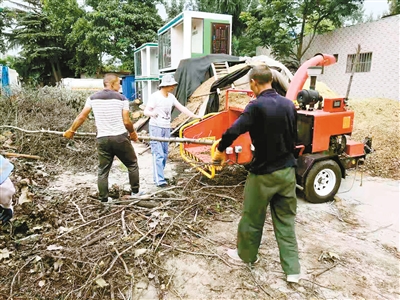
107	106
162	106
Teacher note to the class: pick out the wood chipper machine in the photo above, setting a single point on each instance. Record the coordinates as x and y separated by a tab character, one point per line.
324	149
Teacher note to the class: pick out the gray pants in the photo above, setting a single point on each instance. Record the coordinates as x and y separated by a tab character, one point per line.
120	146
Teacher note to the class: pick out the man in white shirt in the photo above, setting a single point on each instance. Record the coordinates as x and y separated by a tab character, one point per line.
159	108
111	114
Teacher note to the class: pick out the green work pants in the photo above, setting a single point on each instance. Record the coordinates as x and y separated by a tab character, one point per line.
279	190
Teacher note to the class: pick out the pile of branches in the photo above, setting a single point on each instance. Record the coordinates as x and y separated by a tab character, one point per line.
47	109
71	246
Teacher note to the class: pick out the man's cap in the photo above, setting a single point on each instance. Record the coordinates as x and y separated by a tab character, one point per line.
167	80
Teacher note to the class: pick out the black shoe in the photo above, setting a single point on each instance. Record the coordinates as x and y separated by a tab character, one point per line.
164	185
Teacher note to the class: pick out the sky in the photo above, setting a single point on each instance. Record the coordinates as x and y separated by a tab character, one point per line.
376	7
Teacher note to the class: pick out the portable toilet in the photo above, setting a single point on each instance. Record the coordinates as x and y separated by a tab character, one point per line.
128	87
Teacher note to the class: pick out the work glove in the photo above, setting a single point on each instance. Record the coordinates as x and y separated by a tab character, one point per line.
133	136
69	134
6	214
218	158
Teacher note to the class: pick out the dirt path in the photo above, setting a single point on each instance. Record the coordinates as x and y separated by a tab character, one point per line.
348	248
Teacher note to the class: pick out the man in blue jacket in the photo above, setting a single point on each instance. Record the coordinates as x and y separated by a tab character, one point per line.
271	121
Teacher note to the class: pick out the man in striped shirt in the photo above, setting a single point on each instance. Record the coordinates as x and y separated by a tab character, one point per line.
111	114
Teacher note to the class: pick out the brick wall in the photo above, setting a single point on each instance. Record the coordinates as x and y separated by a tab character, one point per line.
382	38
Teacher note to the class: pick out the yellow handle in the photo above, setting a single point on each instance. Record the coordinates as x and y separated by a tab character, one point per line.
208	170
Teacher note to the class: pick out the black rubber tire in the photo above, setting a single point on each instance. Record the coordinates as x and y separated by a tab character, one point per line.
329	177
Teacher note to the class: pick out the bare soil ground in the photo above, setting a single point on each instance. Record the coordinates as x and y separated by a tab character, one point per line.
64	244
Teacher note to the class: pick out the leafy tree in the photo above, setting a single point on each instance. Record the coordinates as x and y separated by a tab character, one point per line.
113	28
394	7
38	43
284	25
5	22
40	28
174	8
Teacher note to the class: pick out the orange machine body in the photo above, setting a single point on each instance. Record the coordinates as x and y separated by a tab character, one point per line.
212	128
326	124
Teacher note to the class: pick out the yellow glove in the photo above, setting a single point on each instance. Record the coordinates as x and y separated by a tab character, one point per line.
133	136
218	158
69	134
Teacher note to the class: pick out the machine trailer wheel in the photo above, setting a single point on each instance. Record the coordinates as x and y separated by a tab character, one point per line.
322	182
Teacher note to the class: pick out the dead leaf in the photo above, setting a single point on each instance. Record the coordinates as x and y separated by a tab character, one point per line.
63	229
139	252
58	264
4	253
156	214
153	224
25	195
101	282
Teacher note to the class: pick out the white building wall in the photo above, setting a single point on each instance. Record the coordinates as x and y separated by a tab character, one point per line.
382	38
154	61
197	35
177	45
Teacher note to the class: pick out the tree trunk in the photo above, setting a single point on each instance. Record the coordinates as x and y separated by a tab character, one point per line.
53	68
59	70
301	35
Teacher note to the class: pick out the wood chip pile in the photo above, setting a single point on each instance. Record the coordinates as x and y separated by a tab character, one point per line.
379	118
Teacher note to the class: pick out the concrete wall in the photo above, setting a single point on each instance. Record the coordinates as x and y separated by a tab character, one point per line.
382	38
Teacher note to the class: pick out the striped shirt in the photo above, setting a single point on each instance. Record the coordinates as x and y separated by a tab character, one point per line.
107	106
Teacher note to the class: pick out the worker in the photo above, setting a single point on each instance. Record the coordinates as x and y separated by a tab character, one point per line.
271	121
7	190
159	108
114	134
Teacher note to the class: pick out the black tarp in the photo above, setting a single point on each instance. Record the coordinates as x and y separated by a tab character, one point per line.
213	100
192	72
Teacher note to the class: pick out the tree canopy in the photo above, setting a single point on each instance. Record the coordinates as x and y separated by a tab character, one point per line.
60	38
113	29
284	25
394	7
